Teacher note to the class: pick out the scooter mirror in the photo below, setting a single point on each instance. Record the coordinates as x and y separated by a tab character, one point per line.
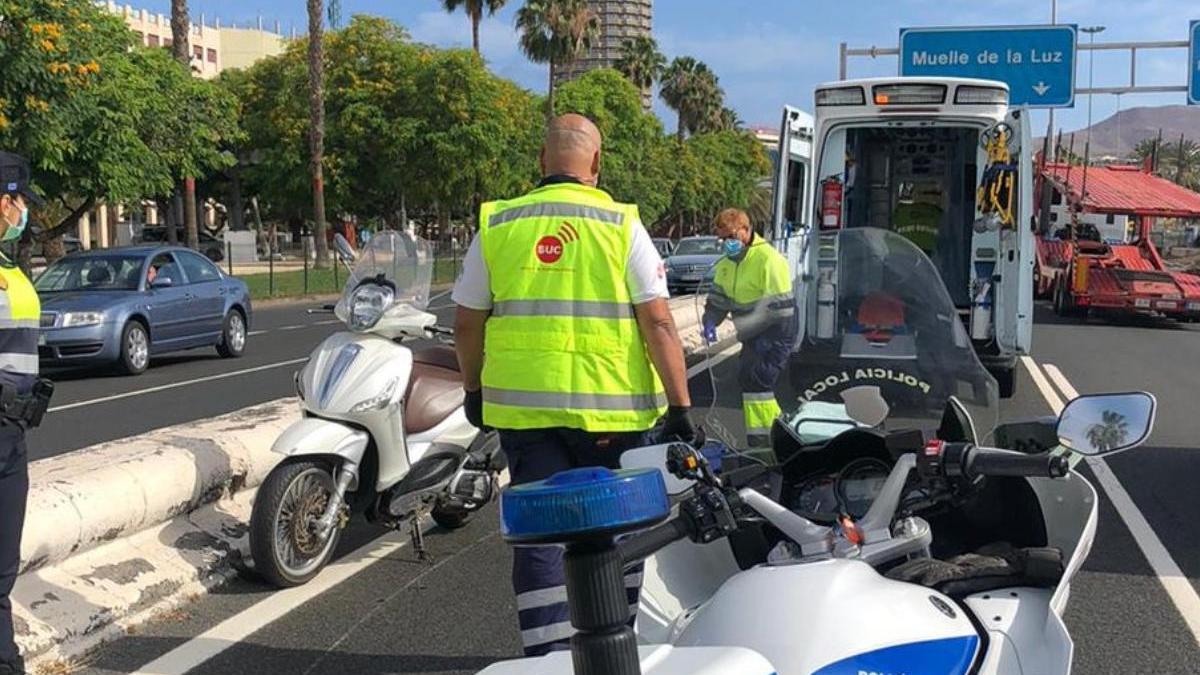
345	250
1103	424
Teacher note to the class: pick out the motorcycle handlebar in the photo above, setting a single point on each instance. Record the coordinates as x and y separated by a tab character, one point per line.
990	462
647	542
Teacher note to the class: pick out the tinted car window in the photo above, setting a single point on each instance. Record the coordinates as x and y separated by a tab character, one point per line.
697	247
91	273
198	268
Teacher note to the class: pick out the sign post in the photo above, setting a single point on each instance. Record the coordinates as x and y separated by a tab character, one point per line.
1194	63
1037	62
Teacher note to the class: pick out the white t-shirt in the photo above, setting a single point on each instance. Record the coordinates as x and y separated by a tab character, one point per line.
645	276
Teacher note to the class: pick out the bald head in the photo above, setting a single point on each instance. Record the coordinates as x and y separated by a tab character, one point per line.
572	148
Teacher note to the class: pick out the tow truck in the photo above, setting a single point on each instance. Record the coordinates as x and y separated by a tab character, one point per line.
1094	252
944	161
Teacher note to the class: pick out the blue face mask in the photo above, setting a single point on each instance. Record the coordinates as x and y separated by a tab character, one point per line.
733	247
14	232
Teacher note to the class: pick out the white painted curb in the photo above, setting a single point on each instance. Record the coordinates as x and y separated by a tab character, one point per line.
121	531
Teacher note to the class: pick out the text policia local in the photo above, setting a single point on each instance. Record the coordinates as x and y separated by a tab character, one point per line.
956	57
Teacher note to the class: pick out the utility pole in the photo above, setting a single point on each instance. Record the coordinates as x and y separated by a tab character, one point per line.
1087	145
1050	128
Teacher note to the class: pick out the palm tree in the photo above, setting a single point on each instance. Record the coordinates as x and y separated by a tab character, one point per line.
641	62
692	91
556	32
1110	433
316	129
474	9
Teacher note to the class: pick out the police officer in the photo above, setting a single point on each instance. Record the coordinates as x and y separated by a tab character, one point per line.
753	285
21	393
564	292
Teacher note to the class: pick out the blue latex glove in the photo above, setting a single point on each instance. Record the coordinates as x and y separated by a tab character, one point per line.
709	331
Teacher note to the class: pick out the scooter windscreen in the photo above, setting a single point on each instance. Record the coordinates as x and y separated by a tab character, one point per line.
391	275
882	344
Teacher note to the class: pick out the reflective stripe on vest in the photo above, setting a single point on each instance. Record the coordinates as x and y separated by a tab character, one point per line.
20	312
562	344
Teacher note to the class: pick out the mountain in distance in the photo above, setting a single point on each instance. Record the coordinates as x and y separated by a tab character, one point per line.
1134	125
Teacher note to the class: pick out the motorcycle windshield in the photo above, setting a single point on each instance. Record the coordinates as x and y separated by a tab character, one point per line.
882	345
397	260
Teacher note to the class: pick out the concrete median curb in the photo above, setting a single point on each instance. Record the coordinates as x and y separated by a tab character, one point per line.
121	531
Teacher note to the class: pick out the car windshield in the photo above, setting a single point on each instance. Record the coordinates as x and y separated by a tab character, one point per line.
396	259
91	273
880	344
707	246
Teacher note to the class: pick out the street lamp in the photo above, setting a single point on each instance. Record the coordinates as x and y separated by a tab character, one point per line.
1091	31
1050	126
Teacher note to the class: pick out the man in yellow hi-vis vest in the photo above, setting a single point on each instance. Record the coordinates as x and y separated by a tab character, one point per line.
753	285
23	397
566	344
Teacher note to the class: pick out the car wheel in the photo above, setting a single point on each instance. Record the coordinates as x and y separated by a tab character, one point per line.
233	337
135	349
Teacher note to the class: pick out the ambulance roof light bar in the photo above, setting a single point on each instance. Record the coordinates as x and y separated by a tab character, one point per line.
840	96
968	94
909	94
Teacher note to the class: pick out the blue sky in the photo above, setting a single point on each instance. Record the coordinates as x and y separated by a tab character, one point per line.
771	52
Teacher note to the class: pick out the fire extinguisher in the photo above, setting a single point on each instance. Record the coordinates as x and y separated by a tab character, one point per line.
831	203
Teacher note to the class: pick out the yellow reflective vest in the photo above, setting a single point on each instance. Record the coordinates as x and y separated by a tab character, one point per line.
20	312
756	290
562	346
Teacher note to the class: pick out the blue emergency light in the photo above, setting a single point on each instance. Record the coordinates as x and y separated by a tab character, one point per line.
586	502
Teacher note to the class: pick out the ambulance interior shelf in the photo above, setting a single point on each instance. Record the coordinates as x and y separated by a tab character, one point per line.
919	181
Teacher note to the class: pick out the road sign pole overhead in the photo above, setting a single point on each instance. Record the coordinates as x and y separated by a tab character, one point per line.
1037	62
1194	63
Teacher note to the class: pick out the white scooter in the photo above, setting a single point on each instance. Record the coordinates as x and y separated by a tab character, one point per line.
383	432
885	540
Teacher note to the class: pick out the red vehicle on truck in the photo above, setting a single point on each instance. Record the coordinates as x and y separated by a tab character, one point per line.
1094	253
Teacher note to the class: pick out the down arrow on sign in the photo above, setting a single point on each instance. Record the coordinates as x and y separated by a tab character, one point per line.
1041	88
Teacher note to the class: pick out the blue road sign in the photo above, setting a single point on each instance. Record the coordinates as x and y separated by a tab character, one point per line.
1037	62
1194	64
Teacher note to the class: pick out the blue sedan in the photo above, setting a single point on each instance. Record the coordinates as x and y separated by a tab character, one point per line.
122	305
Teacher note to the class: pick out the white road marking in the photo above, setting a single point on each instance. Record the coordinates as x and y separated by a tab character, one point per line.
176	385
714	360
293	327
1177	585
257	332
240	626
439	295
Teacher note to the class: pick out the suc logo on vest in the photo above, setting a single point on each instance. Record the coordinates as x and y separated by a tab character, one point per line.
549	249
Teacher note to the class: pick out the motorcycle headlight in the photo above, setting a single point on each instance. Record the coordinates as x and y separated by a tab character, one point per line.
367	305
76	319
379	401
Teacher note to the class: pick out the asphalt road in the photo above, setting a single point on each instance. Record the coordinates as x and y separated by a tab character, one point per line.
395	615
94	405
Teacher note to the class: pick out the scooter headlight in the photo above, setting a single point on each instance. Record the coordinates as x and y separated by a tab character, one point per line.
379	401
367	305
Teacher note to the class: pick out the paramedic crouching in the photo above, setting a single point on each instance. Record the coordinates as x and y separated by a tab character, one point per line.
753	285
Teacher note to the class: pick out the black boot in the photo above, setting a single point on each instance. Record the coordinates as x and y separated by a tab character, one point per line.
16	667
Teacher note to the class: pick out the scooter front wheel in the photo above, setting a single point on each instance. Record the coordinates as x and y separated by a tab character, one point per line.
287	549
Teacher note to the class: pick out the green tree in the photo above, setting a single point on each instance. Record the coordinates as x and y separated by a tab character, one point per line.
474	9
556	32
693	92
641	62
1178	161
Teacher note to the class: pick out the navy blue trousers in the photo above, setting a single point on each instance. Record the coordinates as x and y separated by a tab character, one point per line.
14	489
537	576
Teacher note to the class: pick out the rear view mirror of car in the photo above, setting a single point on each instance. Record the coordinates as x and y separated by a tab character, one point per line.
162	282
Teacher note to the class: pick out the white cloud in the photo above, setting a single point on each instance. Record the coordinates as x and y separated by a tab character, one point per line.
497	42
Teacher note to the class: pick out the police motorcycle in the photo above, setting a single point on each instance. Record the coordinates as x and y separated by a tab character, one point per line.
383	432
888	536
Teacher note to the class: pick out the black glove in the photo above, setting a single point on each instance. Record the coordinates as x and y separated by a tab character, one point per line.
677	425
473	407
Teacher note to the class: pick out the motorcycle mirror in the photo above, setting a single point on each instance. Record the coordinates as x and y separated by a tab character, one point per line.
1103	424
866	405
345	250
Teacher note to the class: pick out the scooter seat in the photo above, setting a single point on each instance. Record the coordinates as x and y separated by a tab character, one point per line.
433	394
436	355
